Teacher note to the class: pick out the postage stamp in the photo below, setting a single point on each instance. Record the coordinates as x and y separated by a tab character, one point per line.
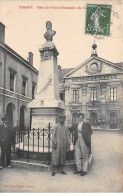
98	19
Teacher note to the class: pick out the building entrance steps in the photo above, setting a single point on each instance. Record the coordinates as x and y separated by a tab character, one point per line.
43	166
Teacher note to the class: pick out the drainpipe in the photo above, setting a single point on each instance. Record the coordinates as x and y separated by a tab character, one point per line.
4	85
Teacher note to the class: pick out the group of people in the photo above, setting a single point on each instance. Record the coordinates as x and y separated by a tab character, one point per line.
61	142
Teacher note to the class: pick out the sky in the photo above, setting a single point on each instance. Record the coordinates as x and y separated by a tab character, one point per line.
25	29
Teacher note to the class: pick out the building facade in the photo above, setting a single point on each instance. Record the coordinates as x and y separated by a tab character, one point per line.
94	88
18	80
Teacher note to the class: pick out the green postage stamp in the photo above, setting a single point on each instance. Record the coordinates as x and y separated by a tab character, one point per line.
98	19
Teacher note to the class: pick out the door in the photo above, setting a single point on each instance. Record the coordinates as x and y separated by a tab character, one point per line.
9	112
22	117
113	120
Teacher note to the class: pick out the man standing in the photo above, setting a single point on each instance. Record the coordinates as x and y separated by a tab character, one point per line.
82	141
60	144
6	137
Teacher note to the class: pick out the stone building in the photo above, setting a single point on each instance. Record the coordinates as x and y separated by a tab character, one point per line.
95	89
18	79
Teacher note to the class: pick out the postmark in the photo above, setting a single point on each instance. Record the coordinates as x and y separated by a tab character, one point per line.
98	19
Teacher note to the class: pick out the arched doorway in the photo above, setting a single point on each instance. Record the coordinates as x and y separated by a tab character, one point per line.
113	120
22	117
93	118
9	112
74	118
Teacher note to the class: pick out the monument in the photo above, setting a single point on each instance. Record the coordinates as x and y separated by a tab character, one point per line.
47	105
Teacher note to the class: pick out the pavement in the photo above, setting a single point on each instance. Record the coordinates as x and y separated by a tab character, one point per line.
105	175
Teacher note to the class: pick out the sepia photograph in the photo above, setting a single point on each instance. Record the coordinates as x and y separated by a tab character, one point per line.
61	96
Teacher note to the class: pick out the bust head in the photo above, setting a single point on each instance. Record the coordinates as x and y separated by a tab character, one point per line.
48	25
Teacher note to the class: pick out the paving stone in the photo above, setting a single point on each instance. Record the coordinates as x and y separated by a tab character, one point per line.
105	174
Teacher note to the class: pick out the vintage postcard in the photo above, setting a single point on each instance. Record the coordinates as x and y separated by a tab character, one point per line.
61	96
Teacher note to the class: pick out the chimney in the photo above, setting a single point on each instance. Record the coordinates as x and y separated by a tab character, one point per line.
30	58
2	33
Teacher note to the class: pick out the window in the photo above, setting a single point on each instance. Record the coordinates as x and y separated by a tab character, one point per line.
75	96
93	118
33	90
113	94
24	88
24	85
93	94
62	96
74	118
12	79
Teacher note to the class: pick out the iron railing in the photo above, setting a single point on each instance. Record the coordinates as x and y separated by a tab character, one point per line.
37	144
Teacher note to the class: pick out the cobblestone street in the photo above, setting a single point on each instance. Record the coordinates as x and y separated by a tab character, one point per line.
105	175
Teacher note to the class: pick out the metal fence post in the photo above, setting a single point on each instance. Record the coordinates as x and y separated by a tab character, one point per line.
43	144
38	143
28	147
49	138
33	139
49	147
23	140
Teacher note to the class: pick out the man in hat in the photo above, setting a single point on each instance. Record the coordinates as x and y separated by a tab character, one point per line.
6	138
60	144
82	143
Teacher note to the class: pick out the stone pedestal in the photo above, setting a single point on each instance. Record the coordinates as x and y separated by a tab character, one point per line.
47	104
41	117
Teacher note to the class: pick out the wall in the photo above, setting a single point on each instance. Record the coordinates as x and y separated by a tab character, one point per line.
7	61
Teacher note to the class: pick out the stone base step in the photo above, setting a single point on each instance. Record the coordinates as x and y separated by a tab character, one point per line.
38	166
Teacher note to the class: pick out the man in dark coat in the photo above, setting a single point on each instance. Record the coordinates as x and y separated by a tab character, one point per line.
82	141
6	139
60	144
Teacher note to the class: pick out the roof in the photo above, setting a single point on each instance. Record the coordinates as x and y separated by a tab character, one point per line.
63	72
5	46
117	65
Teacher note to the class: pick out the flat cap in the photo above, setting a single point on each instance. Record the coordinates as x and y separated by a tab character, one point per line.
5	118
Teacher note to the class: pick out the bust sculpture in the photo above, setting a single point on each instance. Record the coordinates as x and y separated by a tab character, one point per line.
49	33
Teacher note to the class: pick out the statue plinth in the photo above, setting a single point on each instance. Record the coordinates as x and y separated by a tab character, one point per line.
47	104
